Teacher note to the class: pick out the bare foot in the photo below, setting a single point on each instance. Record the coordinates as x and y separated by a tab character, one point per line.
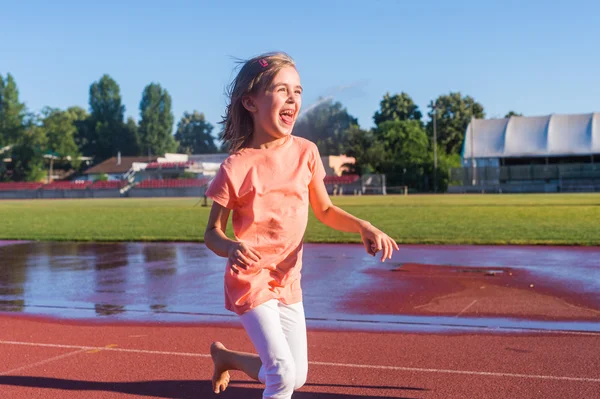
220	378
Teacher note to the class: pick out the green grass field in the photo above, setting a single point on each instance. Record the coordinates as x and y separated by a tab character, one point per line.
558	219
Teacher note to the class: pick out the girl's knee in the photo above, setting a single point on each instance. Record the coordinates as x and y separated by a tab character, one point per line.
281	379
300	381
301	374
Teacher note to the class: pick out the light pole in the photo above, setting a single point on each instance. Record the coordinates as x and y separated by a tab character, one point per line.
473	176
434	147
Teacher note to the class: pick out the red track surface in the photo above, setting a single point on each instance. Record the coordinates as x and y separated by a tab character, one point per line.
474	292
44	358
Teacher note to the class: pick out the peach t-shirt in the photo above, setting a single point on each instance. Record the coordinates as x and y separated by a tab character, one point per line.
267	189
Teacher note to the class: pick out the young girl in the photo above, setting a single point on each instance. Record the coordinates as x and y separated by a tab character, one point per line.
268	181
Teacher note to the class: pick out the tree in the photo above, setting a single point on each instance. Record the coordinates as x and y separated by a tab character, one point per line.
60	129
105	101
445	163
398	107
194	134
106	120
405	152
397	149
3	169
156	124
364	148
406	142
512	113
325	125
85	132
12	119
28	151
454	112
128	142
12	112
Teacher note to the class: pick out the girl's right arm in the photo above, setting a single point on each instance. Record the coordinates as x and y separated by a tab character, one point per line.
214	236
239	254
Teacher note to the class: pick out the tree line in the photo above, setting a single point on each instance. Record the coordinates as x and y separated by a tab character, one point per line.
27	138
400	145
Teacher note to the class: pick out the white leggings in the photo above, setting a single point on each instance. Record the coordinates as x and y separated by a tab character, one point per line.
278	332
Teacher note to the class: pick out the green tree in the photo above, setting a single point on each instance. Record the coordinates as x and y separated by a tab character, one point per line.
194	134
106	122
3	169
397	107
445	163
156	124
512	113
60	129
12	111
325	125
105	100
454	112
404	158
364	148
28	152
129	140
85	134
396	148
12	121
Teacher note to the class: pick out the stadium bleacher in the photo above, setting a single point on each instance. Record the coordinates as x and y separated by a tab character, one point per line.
108	185
67	185
344	179
20	186
172	183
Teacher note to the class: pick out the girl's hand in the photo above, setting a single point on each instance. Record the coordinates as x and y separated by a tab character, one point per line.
242	256
375	240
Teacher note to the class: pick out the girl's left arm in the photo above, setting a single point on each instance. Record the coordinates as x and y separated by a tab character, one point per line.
373	239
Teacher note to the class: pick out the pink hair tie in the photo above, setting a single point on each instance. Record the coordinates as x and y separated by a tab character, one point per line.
263	63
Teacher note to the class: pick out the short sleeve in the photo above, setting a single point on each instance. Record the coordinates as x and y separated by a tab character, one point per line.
316	167
221	189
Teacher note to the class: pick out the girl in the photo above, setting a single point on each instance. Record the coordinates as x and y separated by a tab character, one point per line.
268	181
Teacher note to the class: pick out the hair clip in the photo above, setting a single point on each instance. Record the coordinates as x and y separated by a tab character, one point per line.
263	63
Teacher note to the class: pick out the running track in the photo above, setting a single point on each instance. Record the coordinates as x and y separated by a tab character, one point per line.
498	325
50	359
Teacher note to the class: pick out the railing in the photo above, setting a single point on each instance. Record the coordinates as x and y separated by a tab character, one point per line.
172	183
522	173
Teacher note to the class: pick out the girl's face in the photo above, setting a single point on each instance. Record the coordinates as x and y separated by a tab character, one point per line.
276	109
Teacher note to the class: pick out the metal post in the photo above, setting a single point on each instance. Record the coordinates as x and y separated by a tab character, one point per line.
50	169
434	148
472	154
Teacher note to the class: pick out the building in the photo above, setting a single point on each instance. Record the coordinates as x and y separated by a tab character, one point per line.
117	168
550	153
335	165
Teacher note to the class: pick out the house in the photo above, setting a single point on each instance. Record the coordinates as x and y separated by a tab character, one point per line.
117	168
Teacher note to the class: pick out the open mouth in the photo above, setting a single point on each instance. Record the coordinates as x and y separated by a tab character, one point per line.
287	116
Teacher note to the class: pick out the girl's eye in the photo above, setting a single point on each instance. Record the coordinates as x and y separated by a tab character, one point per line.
282	89
299	92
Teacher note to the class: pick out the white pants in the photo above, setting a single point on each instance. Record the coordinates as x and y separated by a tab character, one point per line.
278	332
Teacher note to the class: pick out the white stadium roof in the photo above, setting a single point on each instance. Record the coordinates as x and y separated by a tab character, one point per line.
521	136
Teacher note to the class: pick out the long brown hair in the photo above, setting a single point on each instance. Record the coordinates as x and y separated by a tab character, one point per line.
256	74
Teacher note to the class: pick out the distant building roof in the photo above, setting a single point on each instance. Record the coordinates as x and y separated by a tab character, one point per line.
520	136
112	167
215	157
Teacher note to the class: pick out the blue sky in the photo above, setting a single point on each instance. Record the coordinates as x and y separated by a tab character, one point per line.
533	57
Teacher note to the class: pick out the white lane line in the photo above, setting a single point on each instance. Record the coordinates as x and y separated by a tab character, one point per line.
468	306
350	365
52	359
104	349
483	373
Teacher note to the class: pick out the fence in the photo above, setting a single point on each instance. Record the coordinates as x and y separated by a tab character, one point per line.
527	178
